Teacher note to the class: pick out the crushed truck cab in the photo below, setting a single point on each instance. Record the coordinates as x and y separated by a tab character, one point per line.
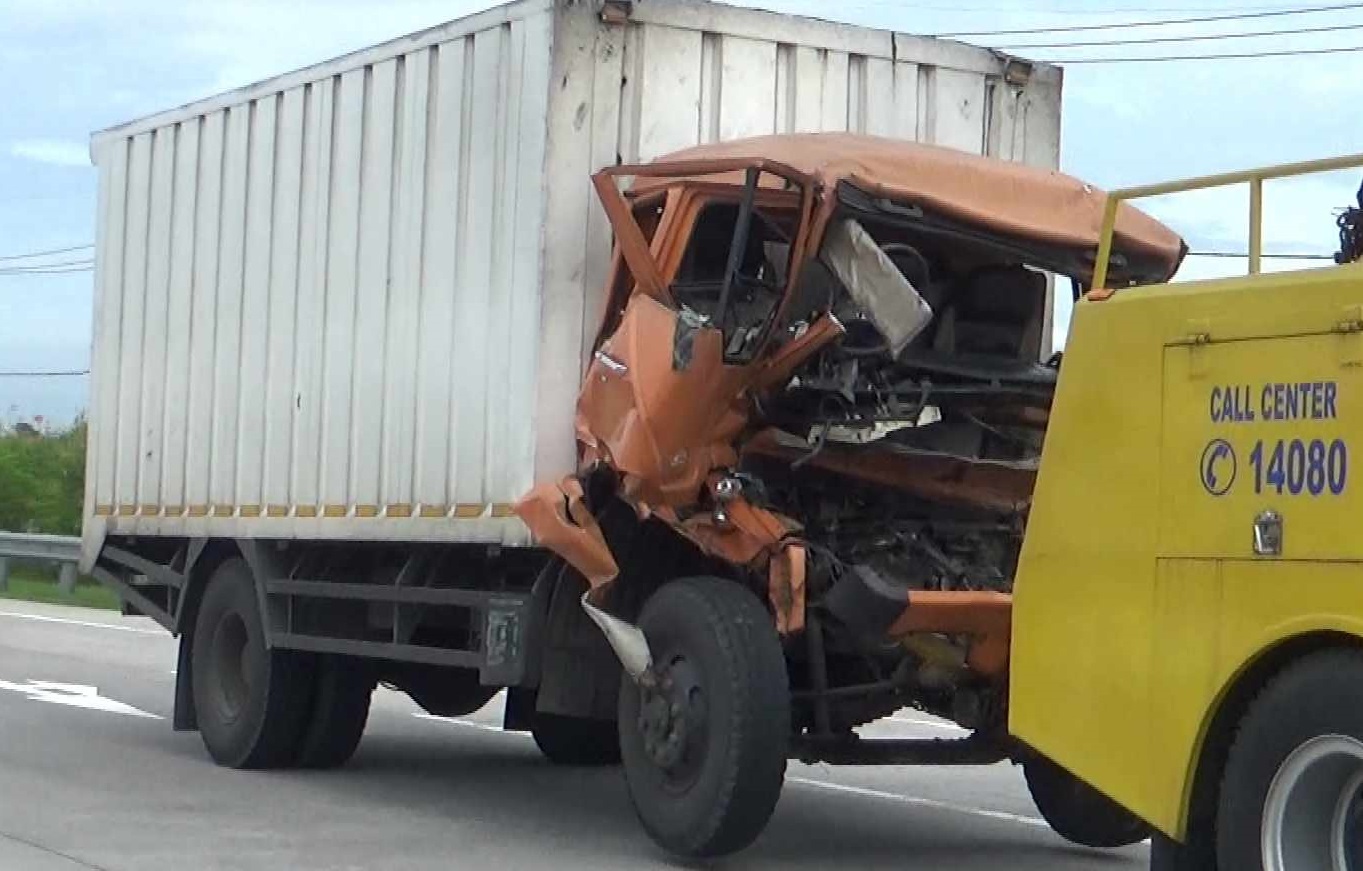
821	378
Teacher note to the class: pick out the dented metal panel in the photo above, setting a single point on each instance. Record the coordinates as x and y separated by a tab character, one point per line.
684	72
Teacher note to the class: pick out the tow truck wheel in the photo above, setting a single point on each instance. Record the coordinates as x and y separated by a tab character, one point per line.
705	748
1078	812
247	698
576	740
1292	795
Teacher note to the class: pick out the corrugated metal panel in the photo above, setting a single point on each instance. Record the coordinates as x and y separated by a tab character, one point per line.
308	297
353	301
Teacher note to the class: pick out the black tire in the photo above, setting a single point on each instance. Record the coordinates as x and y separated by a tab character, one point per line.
250	702
704	785
1169	855
576	740
1078	812
1320	695
341	692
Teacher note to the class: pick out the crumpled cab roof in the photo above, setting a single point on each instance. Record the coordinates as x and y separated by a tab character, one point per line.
1042	205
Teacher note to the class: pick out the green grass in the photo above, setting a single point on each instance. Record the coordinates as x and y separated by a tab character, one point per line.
36	587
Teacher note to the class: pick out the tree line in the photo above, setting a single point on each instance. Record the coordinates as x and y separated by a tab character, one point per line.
42	479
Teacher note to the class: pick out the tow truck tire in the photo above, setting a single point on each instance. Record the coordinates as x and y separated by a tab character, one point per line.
705	751
1294	774
1078	812
576	740
342	690
250	702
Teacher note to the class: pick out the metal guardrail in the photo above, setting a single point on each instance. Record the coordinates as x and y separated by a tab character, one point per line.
61	549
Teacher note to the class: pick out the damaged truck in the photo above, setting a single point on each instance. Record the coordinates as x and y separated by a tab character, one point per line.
706	462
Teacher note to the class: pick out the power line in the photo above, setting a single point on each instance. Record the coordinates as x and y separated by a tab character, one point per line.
1065	10
1167	39
1239	16
56	373
51	251
1190	57
1245	254
64	270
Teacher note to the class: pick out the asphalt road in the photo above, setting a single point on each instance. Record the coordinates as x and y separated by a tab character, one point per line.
97	779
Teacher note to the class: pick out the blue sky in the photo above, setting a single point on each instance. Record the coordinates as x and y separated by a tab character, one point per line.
74	66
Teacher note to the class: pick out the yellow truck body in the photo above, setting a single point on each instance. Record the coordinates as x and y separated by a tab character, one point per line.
1191	422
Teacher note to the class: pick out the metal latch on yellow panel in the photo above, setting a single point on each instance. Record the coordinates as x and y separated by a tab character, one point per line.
1268	533
1351	320
1197	333
1350	341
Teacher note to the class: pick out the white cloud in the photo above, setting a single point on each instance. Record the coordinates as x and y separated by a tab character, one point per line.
58	152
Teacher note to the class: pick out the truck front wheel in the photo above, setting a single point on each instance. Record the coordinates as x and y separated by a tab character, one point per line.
704	750
250	702
1292	795
1078	812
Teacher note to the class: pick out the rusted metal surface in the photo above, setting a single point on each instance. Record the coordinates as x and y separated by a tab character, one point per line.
985	616
1000	488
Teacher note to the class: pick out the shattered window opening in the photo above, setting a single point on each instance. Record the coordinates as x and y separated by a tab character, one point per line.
759	282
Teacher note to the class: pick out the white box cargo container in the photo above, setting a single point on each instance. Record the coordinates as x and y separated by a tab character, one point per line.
352	301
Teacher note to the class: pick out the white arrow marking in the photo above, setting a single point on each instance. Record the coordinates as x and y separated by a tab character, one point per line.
73	695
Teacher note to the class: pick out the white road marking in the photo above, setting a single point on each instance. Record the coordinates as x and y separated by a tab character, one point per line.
472	724
931	724
42	618
74	695
918	801
1002	816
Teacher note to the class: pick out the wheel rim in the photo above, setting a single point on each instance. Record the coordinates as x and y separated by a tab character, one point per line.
673	723
1313	816
231	688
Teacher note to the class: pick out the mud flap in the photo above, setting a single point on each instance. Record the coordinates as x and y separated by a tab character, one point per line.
580	674
183	719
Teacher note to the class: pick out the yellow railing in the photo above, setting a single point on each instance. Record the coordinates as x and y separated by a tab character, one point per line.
1255	178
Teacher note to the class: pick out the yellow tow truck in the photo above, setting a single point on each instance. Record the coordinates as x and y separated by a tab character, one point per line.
1188	612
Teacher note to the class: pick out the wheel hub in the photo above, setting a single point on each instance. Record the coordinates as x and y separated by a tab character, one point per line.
1313	815
230	667
672	719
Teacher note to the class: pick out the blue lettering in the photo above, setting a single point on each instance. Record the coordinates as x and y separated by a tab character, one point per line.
1246	407
1293	401
1317	400
1330	388
1265	405
1277	402
1216	405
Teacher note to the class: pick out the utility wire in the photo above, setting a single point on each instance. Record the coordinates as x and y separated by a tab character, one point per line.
24	273
30	255
1245	254
1167	39
59	373
1191	57
1065	10
1165	22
